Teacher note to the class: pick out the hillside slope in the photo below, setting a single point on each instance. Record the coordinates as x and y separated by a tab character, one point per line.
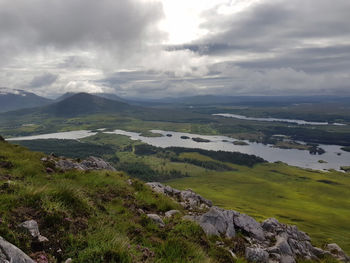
89	215
92	216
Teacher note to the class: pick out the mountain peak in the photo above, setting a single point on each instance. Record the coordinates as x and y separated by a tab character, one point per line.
85	103
15	99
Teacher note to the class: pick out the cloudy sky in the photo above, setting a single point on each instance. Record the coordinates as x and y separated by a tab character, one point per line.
150	48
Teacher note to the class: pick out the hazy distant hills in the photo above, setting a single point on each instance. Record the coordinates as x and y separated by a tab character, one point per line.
19	99
248	100
76	105
108	96
83	104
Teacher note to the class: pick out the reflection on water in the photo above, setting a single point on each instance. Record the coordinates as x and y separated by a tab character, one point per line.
71	135
334	157
301	122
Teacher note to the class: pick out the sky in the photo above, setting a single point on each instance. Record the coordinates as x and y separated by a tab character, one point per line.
168	48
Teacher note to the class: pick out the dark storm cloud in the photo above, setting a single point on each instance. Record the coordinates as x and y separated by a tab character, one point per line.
43	80
113	24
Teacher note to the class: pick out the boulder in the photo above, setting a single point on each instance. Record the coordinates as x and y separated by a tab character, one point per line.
249	225
1	139
218	221
12	254
256	255
156	219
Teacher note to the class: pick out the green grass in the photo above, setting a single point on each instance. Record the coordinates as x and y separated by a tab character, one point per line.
317	202
93	216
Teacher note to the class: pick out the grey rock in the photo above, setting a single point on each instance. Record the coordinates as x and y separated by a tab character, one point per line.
270	225
12	254
188	199
337	252
94	163
283	246
91	163
156	187
256	255
250	226
209	229
66	165
32	227
68	260
218	221
171	213
156	219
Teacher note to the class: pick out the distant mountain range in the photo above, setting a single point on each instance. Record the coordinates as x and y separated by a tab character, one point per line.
11	99
109	96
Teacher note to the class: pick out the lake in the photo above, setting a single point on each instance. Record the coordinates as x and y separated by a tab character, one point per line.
70	135
300	158
300	122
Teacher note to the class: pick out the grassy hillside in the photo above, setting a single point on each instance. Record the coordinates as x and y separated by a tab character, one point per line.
92	216
317	202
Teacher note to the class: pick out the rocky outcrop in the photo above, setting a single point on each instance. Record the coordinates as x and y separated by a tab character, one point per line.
217	221
1	139
269	241
65	164
187	198
12	254
248	225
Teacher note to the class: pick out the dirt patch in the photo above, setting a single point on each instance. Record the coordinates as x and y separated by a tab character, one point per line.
6	164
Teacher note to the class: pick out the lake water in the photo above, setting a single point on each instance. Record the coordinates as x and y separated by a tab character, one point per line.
300	122
71	135
300	158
